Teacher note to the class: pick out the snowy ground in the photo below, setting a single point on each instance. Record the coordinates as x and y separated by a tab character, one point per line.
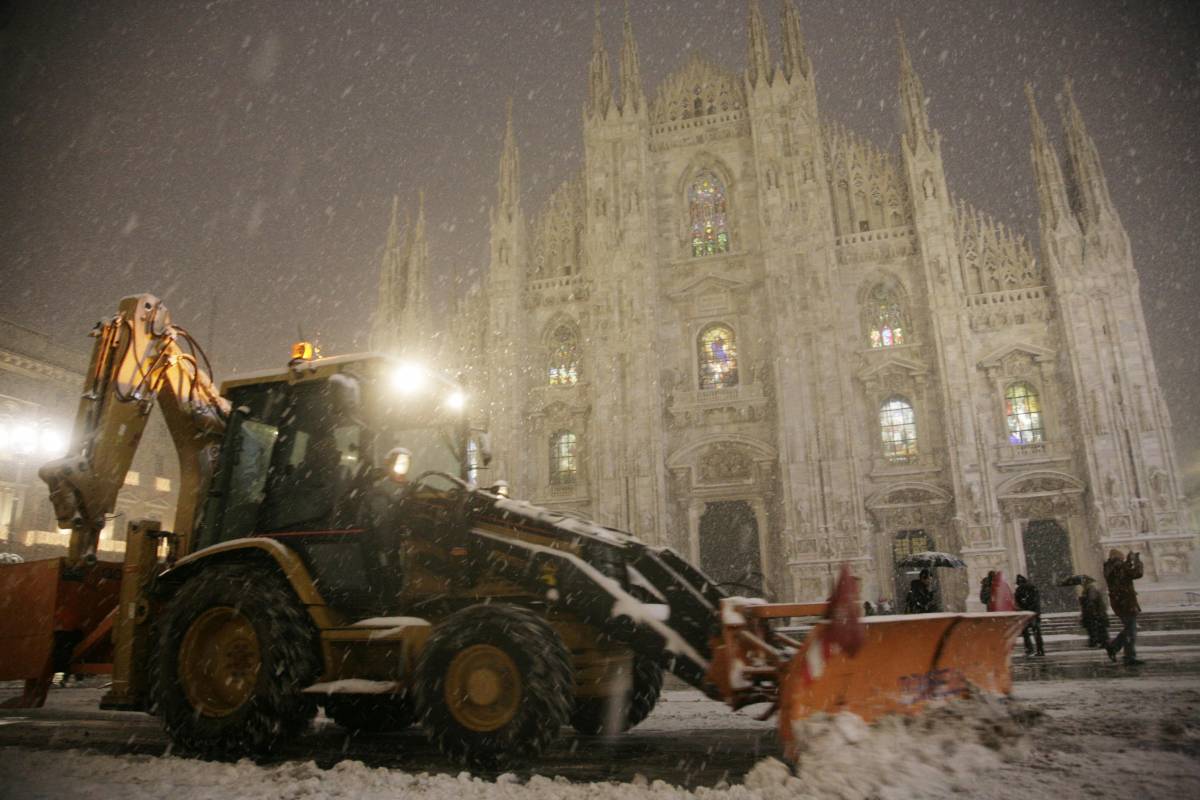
1065	739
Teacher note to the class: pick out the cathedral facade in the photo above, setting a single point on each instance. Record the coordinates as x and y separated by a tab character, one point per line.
747	333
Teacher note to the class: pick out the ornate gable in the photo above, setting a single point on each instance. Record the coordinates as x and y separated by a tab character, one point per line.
558	233
699	89
864	183
705	284
1015	359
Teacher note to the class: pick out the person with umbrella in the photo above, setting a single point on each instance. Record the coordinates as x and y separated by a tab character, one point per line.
921	598
1030	599
1093	612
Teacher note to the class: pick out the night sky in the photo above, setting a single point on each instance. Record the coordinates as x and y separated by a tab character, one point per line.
240	157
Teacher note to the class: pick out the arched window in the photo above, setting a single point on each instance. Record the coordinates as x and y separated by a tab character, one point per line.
563	466
1023	413
887	324
708	215
898	429
563	369
718	357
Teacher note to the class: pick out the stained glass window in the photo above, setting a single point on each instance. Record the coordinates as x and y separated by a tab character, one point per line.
898	429
718	358
708	214
886	321
564	357
1023	412
563	467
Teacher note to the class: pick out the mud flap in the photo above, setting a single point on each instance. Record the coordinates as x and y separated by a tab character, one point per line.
902	663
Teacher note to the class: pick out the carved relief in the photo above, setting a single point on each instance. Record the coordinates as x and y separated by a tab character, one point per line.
723	464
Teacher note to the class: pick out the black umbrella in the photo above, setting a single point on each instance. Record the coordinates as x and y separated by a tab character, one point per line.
1076	580
931	558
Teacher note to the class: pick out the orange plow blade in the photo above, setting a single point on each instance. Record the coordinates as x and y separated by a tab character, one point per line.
901	663
44	614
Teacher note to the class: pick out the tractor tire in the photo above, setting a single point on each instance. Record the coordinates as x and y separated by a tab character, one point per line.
371	713
593	716
494	685
234	649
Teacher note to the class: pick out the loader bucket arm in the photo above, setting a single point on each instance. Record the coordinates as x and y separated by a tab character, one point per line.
677	636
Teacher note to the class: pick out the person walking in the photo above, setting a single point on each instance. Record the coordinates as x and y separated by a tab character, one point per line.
985	588
1030	599
1119	574
1093	613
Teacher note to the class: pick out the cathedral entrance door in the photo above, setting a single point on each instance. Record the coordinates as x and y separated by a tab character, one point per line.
1048	561
905	544
729	548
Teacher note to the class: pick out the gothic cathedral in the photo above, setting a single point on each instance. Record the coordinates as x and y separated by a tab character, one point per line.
749	334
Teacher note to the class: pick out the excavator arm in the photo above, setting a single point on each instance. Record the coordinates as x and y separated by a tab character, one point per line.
139	357
67	618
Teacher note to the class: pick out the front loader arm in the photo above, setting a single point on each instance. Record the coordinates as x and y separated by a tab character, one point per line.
138	357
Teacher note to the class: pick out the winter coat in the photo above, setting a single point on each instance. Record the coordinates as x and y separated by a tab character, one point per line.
1028	597
985	590
1092	606
1120	574
920	600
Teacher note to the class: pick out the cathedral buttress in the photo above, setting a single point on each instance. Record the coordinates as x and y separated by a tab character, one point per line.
506	337
1122	425
945	350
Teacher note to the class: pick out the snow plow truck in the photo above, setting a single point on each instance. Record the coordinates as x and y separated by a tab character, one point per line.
329	549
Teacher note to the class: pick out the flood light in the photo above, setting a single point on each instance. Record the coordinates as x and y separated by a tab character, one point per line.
408	378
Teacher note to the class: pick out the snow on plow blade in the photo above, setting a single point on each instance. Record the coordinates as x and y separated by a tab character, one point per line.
47	617
901	663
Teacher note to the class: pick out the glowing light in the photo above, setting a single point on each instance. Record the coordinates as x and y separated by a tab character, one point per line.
53	443
408	378
24	438
401	462
456	401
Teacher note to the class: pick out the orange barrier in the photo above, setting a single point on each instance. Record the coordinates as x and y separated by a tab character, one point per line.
46	613
901	663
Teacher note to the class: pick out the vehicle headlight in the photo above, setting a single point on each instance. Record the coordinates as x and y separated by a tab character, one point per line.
408	378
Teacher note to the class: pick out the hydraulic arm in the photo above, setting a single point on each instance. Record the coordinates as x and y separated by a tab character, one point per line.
138	357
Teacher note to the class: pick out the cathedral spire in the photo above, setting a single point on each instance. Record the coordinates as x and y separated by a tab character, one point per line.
795	55
912	98
393	234
758	60
599	80
418	261
1047	173
632	98
392	285
510	169
1092	201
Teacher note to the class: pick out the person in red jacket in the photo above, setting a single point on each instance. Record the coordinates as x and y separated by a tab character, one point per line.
1120	573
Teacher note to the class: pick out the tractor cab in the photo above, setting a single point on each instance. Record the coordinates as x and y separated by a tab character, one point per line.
313	457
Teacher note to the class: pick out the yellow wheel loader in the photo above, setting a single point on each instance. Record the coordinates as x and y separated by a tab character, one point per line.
330	550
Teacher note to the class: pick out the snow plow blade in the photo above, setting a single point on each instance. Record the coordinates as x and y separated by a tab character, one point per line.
46	614
899	664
